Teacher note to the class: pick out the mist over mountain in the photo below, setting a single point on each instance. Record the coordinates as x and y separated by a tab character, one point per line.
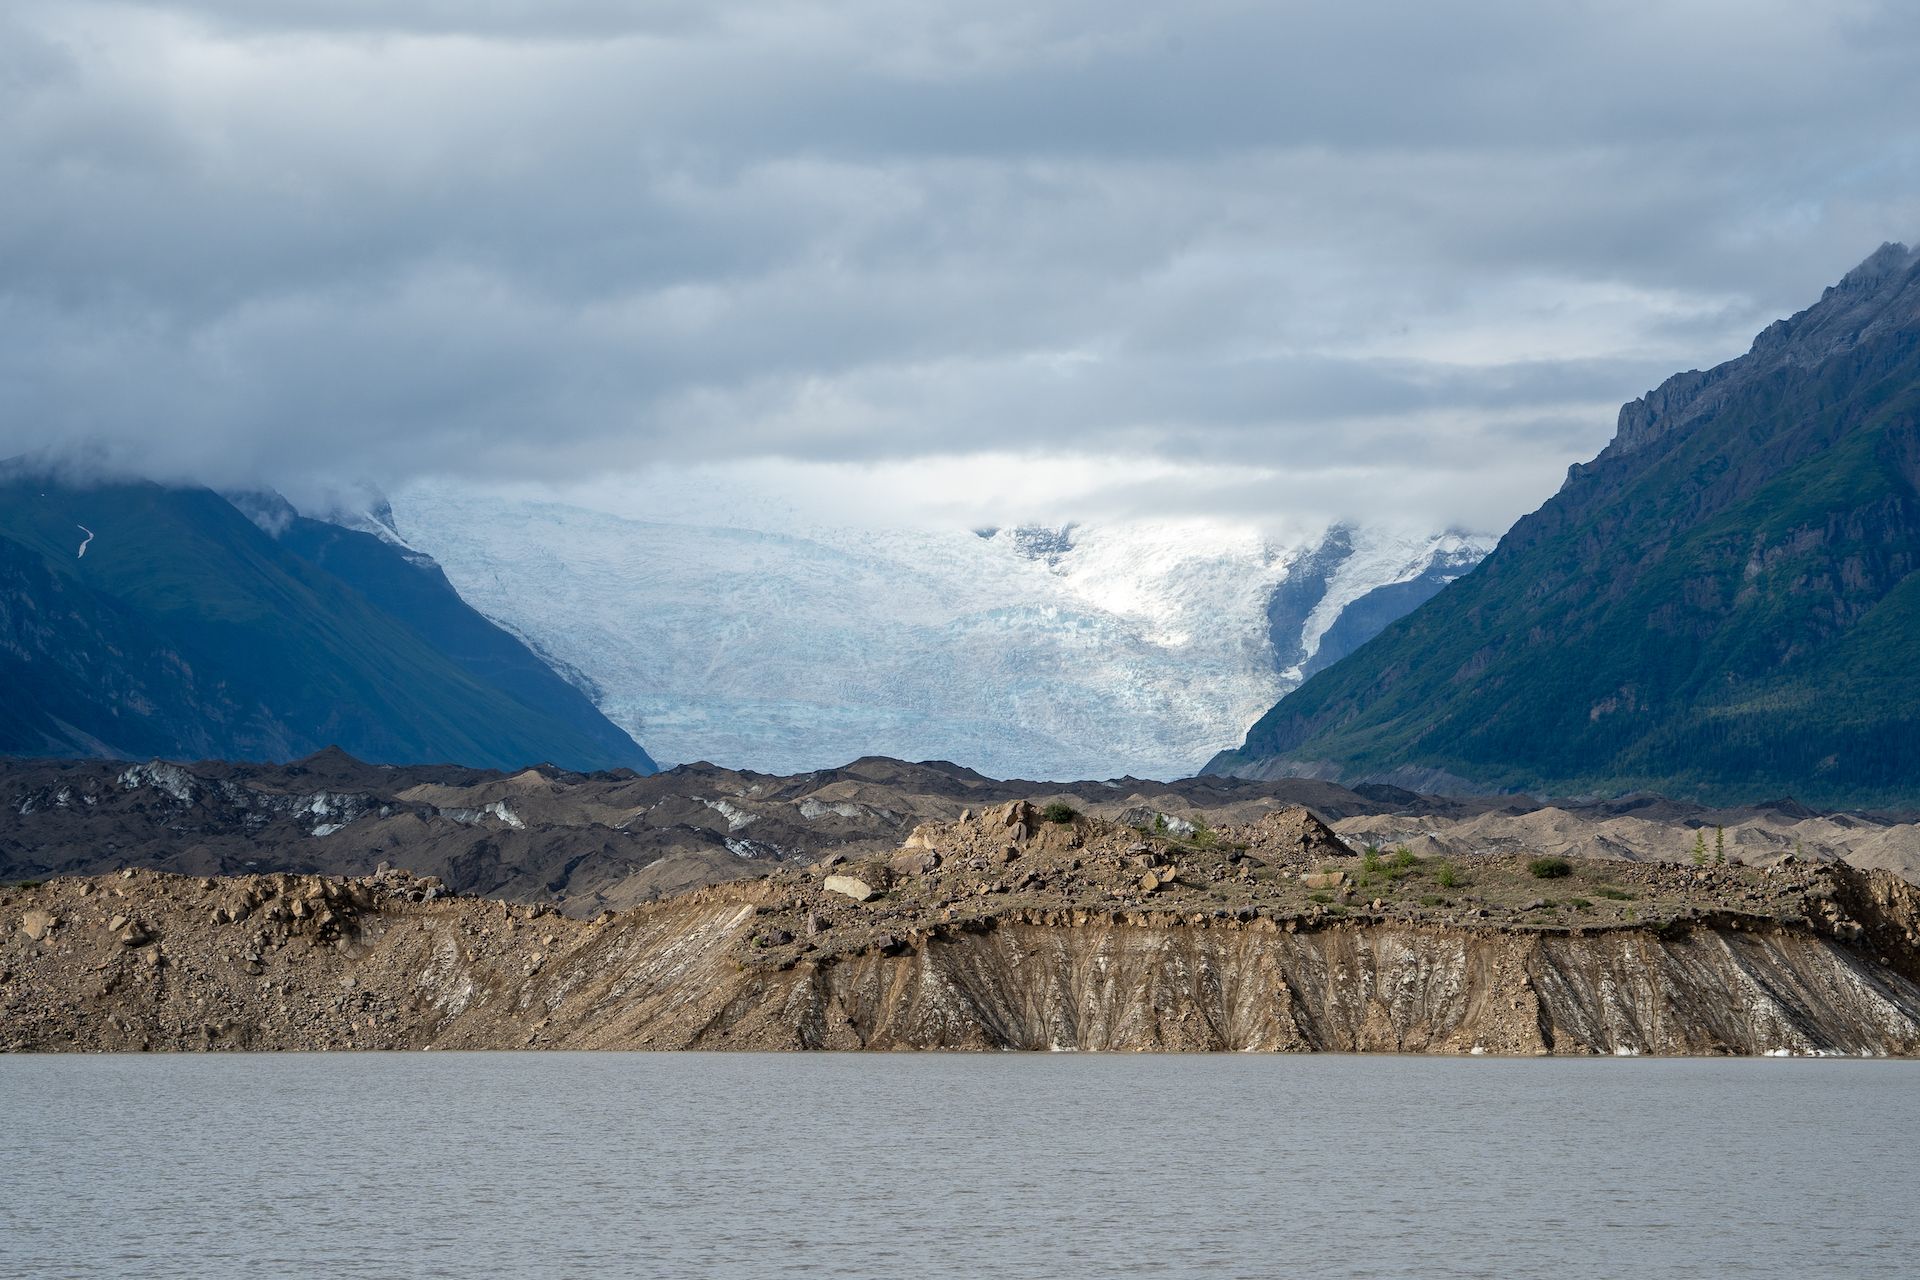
1724	602
139	620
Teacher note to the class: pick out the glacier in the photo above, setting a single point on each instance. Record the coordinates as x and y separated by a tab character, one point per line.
747	635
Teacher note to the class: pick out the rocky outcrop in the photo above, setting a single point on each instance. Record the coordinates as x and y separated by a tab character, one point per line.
974	956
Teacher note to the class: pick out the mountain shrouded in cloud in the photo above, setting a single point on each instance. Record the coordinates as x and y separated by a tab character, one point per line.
1381	256
138	620
1725	602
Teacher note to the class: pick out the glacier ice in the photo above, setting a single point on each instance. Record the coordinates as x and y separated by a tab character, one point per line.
782	645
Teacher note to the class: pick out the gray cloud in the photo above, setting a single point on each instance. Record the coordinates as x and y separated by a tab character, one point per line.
253	242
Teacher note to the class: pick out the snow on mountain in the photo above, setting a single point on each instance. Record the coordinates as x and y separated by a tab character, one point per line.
767	640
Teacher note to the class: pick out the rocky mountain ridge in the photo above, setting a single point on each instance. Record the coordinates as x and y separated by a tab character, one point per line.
1722	604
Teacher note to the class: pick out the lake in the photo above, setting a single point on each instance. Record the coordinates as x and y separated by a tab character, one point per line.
441	1164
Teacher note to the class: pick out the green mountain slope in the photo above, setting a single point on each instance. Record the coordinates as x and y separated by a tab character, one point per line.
184	630
1722	604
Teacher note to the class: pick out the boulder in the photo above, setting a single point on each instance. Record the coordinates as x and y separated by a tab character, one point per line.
1324	879
37	924
915	860
851	886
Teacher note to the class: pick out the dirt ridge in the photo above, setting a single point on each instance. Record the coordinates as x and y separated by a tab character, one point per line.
1002	930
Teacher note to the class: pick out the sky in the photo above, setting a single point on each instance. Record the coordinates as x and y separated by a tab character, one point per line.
991	260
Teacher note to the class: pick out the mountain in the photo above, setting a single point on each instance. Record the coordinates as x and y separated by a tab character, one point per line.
728	629
1723	603
138	620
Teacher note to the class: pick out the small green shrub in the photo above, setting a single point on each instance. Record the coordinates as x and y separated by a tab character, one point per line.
1370	860
1580	904
28	884
1431	900
1550	868
1058	812
1618	895
1445	876
1323	898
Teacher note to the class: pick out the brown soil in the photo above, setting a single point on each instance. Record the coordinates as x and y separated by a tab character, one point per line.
999	930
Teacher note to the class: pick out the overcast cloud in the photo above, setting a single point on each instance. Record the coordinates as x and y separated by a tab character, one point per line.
1230	256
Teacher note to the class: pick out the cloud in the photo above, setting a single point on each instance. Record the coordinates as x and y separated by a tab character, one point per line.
1405	249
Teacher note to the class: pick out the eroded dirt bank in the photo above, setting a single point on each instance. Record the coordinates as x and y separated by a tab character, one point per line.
1827	963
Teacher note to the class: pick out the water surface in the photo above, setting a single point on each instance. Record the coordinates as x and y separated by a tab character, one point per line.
955	1165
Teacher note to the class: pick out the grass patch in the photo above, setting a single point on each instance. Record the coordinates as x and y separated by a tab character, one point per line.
1618	895
1550	868
1432	900
1322	898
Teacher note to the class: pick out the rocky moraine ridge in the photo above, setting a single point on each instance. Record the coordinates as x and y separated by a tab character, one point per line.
1014	927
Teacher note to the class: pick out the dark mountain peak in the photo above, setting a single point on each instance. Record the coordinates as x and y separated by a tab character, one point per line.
1879	296
1889	261
1725	602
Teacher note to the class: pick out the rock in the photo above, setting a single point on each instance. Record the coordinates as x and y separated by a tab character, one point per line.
116	923
915	860
775	938
814	923
1324	879
831	860
134	936
1149	883
852	887
37	924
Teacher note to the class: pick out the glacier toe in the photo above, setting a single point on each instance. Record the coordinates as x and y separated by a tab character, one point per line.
1086	651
